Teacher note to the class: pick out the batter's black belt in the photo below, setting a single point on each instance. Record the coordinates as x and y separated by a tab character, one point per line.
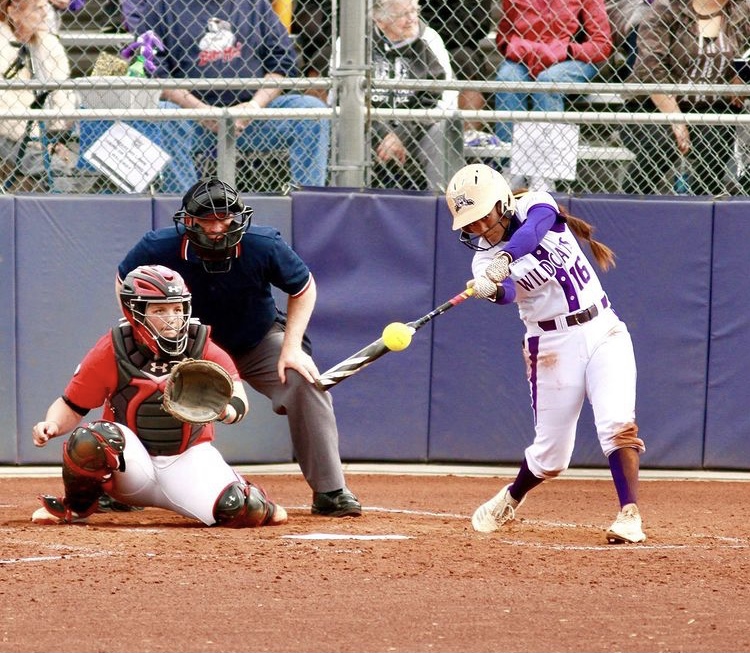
574	319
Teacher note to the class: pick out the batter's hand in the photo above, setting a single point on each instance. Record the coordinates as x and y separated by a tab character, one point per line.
43	431
483	288
499	268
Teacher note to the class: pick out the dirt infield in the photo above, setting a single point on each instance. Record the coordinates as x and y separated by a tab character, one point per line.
409	575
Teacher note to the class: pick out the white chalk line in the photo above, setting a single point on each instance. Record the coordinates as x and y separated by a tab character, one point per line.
83	552
62	556
344	536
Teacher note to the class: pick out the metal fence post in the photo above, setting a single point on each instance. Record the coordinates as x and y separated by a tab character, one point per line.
226	151
349	152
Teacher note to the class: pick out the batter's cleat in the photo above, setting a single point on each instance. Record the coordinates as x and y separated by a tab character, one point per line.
54	511
494	513
339	503
626	529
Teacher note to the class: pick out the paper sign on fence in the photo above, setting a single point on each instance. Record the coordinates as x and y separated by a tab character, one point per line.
127	157
544	149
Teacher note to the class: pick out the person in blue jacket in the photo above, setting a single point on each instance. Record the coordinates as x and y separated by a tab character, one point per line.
230	39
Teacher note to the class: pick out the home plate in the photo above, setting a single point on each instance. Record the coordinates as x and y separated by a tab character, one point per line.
344	536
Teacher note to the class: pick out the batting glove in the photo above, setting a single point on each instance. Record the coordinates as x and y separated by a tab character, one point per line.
499	268
483	288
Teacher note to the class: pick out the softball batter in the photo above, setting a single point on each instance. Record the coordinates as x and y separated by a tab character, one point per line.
575	346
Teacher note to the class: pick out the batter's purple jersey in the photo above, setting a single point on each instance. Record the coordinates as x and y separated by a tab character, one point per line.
552	277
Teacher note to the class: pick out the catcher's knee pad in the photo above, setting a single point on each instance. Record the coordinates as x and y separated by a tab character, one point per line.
244	505
95	450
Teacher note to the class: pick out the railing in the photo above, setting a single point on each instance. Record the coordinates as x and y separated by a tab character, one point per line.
346	157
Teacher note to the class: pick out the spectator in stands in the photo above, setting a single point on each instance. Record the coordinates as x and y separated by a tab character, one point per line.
231	39
624	18
562	41
56	8
312	28
28	50
408	154
686	42
465	29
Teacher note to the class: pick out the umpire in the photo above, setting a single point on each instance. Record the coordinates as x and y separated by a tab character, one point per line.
231	268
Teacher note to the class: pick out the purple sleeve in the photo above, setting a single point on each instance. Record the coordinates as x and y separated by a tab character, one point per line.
539	221
508	290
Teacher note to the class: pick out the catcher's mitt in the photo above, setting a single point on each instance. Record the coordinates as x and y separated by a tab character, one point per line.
197	391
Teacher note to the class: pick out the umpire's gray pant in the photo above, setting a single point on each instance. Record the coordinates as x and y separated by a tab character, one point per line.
312	423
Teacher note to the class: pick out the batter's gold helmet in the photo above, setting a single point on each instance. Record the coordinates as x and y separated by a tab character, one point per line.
474	190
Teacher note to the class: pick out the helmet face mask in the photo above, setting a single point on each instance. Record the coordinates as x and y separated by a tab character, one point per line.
156	326
472	193
474	241
213	199
155	284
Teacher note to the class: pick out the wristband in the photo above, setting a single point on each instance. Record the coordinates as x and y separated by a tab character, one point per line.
239	407
254	104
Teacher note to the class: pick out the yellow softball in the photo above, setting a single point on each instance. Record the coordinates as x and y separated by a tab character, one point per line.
397	336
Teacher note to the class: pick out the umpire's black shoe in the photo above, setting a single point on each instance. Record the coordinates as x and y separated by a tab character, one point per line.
339	503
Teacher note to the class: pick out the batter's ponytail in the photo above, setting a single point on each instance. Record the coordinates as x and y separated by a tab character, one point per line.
604	256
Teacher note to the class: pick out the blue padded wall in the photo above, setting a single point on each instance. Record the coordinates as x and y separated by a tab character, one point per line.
8	351
459	392
661	289
66	255
62	288
372	256
728	419
480	400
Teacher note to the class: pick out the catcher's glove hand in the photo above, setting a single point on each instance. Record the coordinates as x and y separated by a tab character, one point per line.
197	391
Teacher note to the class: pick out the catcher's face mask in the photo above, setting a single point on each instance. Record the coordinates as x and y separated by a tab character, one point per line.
157	303
167	324
214	219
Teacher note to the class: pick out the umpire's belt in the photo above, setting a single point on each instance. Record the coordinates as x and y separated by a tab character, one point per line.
574	319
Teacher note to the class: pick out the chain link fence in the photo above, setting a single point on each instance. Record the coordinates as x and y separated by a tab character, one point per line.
147	97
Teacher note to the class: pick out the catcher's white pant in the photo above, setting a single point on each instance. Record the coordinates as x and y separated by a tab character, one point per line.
593	360
188	483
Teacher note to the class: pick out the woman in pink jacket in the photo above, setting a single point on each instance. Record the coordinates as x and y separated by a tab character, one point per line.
561	41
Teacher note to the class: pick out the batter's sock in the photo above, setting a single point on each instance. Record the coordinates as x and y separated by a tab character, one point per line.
525	482
624	464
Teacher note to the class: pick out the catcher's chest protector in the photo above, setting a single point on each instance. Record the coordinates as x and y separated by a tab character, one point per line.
139	392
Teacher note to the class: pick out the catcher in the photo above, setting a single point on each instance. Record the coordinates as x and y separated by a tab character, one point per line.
163	382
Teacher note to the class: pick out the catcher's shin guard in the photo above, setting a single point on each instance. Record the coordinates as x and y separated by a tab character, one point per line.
244	505
90	455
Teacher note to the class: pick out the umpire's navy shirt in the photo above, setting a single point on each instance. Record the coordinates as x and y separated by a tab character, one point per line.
238	305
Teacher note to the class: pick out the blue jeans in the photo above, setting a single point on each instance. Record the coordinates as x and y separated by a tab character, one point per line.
563	72
307	142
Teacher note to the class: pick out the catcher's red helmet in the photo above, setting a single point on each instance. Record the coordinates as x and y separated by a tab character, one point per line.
213	199
155	284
